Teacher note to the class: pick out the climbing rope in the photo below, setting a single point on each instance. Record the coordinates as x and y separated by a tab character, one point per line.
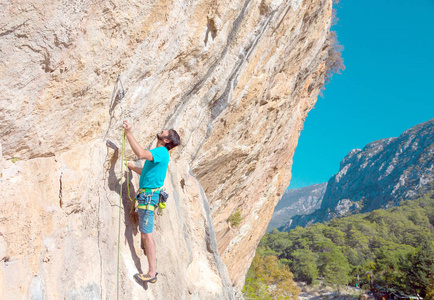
123	160
120	207
121	95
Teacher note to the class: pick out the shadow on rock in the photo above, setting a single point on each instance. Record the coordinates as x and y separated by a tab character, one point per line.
131	220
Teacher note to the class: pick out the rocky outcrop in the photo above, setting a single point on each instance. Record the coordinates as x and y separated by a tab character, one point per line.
380	175
235	78
294	202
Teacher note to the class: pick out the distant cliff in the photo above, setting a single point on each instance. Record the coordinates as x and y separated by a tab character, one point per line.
235	78
381	175
294	202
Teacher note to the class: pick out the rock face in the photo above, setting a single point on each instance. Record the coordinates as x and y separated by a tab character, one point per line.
294	202
380	175
235	78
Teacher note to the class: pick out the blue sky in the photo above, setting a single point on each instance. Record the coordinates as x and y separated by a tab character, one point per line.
386	88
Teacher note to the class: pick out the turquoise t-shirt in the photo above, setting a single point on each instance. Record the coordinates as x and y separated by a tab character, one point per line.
154	172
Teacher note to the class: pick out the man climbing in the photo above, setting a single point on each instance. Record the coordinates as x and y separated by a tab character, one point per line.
152	177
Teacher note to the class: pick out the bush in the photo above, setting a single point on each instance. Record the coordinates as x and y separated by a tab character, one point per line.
235	218
268	279
334	61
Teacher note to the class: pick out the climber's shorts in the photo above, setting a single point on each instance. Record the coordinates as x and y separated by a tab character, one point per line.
146	217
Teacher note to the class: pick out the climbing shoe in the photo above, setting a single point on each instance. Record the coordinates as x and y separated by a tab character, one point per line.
142	278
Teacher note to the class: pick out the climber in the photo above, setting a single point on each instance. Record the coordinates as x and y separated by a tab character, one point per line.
152	177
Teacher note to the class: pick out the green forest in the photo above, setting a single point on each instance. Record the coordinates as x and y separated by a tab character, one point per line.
390	248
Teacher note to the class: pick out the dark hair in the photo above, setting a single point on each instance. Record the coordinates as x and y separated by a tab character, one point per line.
174	139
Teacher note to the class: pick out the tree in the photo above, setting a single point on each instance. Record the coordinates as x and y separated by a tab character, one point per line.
391	266
304	265
337	269
422	268
268	279
333	233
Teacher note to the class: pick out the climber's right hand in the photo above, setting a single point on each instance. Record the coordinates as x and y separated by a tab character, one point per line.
127	126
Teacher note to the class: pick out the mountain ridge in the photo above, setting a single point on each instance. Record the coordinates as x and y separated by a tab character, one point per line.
380	175
297	202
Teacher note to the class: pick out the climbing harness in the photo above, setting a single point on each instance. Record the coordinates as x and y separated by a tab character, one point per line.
143	191
149	206
161	204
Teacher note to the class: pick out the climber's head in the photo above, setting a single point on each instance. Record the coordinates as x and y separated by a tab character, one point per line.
170	138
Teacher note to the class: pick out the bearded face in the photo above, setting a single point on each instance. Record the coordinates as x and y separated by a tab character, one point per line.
164	134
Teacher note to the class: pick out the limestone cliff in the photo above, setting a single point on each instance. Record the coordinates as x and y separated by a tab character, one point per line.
235	78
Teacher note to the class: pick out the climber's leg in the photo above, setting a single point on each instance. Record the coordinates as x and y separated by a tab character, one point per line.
149	242
146	224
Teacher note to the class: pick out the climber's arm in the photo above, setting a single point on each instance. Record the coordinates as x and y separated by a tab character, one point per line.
134	168
137	149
